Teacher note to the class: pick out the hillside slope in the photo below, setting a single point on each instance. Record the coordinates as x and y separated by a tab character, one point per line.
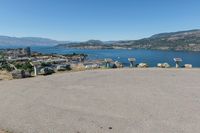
27	41
178	41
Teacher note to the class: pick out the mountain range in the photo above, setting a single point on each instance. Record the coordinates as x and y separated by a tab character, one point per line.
179	41
27	41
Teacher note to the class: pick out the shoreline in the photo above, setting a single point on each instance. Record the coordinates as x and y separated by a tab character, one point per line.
124	48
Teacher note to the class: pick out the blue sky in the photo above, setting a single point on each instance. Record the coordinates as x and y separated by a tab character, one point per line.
79	20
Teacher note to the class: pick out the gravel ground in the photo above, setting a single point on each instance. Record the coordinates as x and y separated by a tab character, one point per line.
103	101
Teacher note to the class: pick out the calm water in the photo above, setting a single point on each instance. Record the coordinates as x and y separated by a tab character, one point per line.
152	57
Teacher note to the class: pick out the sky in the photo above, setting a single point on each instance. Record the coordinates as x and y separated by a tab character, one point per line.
81	20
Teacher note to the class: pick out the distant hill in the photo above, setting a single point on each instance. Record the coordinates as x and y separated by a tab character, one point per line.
27	41
178	41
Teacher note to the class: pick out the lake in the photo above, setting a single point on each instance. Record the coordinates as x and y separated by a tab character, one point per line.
152	57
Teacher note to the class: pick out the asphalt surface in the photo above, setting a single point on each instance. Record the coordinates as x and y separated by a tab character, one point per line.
103	101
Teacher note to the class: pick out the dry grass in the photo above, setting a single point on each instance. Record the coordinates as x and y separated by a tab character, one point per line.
4	131
4	75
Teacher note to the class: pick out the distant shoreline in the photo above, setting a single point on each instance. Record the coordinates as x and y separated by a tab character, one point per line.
122	48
